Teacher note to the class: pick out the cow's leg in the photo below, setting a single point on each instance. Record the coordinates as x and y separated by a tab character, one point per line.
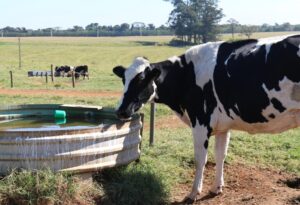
221	145
201	135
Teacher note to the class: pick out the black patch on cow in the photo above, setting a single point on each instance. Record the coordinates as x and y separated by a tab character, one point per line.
272	116
173	83
277	105
220	110
243	72
186	95
206	144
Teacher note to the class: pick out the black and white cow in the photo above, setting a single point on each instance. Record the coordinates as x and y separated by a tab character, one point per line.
249	85
64	70
81	70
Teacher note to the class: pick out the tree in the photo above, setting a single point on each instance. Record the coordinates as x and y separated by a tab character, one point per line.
151	26
248	30
233	23
125	27
92	27
195	20
77	28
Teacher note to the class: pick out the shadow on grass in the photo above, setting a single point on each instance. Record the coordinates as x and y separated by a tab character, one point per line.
146	43
132	185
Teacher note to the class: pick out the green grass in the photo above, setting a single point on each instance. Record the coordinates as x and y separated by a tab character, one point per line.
101	54
42	187
170	162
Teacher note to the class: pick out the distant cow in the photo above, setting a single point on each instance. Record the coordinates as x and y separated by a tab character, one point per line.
64	71
81	70
249	85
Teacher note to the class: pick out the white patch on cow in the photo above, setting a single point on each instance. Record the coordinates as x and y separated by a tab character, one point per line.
236	107
295	95
299	51
228	74
284	95
221	146
154	94
204	58
270	110
204	106
138	66
175	59
200	136
226	62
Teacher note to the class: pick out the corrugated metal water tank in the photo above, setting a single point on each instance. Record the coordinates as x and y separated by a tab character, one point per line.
79	149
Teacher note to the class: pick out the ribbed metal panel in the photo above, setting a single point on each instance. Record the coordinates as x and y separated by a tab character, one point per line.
80	150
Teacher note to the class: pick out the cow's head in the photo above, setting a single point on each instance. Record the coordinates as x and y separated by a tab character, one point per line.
139	86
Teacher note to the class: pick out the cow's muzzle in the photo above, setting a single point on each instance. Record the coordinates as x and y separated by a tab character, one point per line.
123	115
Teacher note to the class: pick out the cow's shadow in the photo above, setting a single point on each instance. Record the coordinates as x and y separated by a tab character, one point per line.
133	184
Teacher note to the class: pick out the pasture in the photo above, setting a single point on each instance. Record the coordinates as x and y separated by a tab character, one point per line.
255	164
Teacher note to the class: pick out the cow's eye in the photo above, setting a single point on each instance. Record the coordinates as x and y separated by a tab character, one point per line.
136	100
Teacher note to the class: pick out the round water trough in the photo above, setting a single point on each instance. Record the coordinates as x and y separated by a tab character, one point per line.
80	148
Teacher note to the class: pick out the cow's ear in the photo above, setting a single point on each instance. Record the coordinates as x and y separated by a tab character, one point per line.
119	71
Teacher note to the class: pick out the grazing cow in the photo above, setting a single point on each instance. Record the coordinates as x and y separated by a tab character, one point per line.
81	70
249	85
64	70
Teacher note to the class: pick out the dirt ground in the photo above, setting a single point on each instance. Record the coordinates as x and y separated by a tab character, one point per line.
244	185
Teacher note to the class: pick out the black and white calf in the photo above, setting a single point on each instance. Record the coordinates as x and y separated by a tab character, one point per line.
249	85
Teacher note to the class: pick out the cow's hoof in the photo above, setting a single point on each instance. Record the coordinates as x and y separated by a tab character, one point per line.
188	200
217	190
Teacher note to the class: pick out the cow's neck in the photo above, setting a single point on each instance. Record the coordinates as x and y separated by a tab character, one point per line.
174	82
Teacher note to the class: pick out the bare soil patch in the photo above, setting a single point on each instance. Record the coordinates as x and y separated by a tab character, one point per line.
246	185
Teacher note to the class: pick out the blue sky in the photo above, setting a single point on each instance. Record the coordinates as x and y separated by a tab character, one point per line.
66	13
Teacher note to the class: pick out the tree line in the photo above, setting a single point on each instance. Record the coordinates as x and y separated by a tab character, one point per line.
124	30
92	30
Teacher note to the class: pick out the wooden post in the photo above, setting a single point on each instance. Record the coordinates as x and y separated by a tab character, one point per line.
152	118
73	79
46	77
11	79
52	73
19	39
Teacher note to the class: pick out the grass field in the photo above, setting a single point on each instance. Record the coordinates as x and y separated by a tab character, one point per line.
170	162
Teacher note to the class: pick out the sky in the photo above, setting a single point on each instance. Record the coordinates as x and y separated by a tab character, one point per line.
36	14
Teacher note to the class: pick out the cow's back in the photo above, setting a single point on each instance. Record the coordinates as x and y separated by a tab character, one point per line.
256	82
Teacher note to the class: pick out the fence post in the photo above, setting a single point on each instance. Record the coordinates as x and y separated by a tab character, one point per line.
73	79
46	77
52	73
152	119
11	79
20	65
